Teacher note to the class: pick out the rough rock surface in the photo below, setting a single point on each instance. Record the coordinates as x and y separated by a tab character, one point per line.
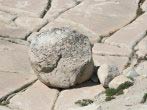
131	100
107	73
61	57
141	48
67	98
130	72
97	18
141	69
120	62
131	34
37	97
117	30
118	81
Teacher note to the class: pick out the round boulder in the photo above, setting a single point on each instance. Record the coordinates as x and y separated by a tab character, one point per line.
61	57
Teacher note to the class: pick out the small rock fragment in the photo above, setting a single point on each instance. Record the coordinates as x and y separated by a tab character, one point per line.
106	73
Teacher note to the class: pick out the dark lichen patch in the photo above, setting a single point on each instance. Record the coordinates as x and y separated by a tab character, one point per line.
109	98
144	99
111	92
84	102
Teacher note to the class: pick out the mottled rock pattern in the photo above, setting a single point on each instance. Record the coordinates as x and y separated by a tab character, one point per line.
107	73
61	57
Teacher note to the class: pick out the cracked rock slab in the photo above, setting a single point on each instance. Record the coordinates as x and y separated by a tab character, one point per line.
6	17
14	58
120	62
131	99
131	34
12	31
10	82
105	16
105	49
58	7
141	48
18	27
24	7
36	97
67	98
30	23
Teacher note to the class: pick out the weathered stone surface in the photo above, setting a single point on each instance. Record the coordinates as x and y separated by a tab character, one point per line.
120	62
24	7
131	99
130	72
4	108
58	7
97	17
15	68
142	69
144	6
131	34
61	57
14	58
60	23
118	81
141	48
105	49
11	30
6	17
11	81
107	73
68	98
36	97
29	23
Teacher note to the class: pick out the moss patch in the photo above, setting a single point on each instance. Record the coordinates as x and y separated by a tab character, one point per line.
84	102
144	99
111	92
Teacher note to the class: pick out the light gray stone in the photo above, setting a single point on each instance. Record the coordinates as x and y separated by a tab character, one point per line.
61	57
130	72
6	17
120	62
105	49
131	34
58	7
68	97
14	58
11	82
144	6
107	73
98	18
141	48
118	81
30	23
141	69
36	97
130	100
24	7
11	30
